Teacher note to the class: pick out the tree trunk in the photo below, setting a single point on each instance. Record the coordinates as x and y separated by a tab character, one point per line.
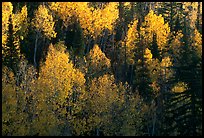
97	132
171	16
131	75
120	10
198	17
132	10
88	45
154	122
125	70
35	51
193	113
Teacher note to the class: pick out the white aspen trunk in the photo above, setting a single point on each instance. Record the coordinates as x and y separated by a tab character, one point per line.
97	132
153	125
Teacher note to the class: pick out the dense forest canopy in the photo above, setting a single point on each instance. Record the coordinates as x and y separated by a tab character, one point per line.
102	68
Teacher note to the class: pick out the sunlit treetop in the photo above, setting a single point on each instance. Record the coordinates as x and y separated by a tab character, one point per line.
166	62
180	87
97	60
198	42
127	4
105	18
93	21
154	24
191	8
65	10
20	20
7	9
20	27
148	55
43	22
131	39
59	73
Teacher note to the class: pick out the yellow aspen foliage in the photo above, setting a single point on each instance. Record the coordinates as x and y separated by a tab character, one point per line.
7	9
59	85
104	90
180	87
103	93
56	71
131	40
45	121
157	69
154	24
191	9
45	124
97	60
13	117
132	116
148	55
20	21
127	4
154	67
20	24
70	11
85	17
43	22
176	47
166	65
105	18
176	44
65	10
101	19
59	74
198	42
166	62
127	113
93	21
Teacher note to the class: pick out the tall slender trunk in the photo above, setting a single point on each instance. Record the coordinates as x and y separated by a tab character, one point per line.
104	40
74	59
88	45
113	41
131	74
132	10
171	16
154	122
35	51
101	42
193	113
198	17
125	71
97	131
95	40
121	10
